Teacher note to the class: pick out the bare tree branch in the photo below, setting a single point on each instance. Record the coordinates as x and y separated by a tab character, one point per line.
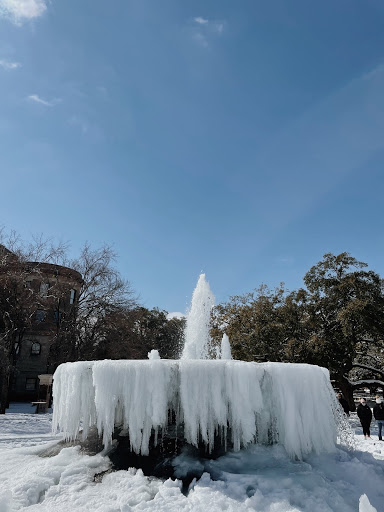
367	367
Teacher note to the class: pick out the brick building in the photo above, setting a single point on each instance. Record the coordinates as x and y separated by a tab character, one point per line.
52	291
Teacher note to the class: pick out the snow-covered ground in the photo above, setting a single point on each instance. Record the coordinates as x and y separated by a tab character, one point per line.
36	474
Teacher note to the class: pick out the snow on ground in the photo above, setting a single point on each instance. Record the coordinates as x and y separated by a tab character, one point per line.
36	474
21	427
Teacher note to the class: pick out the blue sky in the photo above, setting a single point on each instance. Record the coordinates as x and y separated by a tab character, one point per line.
242	139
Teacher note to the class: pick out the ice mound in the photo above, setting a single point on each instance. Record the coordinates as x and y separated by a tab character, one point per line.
290	404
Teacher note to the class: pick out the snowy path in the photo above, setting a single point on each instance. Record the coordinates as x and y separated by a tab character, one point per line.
260	479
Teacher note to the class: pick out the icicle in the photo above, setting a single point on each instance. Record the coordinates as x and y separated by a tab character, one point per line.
267	402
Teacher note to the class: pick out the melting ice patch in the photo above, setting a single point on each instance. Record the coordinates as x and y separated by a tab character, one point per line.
290	404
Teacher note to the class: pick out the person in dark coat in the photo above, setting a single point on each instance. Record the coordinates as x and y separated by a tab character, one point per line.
343	403
365	416
378	412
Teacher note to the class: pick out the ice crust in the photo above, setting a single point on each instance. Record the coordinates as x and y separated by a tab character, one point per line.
290	404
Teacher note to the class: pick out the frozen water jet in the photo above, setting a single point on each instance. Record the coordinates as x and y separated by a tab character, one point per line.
225	348
197	338
204	403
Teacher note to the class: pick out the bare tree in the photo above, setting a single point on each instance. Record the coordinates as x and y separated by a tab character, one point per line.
79	323
103	296
17	306
19	297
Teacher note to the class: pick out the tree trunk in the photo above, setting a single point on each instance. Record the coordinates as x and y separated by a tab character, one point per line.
347	390
4	385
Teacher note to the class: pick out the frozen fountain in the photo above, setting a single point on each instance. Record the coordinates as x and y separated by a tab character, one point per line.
197	400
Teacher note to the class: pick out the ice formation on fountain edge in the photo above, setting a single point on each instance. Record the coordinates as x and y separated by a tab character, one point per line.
290	404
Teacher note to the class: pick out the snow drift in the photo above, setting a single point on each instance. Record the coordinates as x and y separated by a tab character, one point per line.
290	404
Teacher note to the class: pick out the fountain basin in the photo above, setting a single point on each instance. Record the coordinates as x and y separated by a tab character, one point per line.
199	400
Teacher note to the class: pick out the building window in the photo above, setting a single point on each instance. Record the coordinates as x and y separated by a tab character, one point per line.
40	316
44	287
58	316
35	349
72	296
30	384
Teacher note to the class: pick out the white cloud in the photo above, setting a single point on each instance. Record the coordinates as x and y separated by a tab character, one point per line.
21	10
6	64
204	30
200	20
37	99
